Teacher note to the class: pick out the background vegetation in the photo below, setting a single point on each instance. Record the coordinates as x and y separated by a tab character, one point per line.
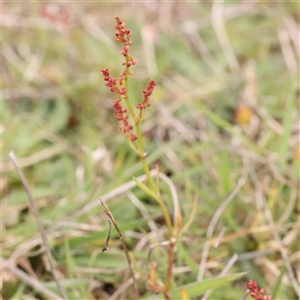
224	116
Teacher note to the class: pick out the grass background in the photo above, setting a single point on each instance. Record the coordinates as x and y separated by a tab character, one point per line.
225	108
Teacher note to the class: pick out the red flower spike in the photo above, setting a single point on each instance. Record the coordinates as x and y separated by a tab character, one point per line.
147	93
123	35
255	292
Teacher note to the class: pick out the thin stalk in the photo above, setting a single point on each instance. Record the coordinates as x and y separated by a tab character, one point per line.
111	218
126	96
155	189
138	128
166	215
170	263
143	160
142	151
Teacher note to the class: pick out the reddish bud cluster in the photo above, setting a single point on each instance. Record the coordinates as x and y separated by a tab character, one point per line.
121	112
147	93
110	81
256	292
123	117
123	35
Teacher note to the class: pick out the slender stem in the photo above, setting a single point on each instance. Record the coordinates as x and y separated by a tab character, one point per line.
170	265
108	236
110	217
138	129
142	156
155	188
126	96
166	215
143	160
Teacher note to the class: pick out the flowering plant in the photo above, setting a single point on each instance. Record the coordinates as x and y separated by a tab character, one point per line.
130	120
135	139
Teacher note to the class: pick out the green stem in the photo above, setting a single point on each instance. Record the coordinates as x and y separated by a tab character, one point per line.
143	158
142	155
166	215
151	181
126	97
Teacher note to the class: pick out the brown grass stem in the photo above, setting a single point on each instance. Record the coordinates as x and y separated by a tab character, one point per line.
170	266
111	218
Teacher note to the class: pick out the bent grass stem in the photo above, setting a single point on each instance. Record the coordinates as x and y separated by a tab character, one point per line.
110	217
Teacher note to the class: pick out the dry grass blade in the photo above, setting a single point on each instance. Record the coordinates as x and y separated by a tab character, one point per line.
217	23
223	273
38	157
112	194
111	218
213	224
39	222
28	279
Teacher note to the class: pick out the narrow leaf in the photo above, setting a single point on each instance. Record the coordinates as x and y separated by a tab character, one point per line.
144	188
196	289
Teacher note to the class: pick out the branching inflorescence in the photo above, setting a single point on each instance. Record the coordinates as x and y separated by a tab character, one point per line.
123	35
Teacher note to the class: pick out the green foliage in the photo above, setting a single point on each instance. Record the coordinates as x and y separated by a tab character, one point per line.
196	289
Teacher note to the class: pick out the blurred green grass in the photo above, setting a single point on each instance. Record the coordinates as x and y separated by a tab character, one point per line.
58	118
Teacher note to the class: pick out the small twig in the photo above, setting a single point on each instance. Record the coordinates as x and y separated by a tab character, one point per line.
108	236
39	222
111	218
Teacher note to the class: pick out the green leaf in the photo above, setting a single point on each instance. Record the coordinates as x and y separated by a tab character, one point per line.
278	282
196	289
75	282
144	188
